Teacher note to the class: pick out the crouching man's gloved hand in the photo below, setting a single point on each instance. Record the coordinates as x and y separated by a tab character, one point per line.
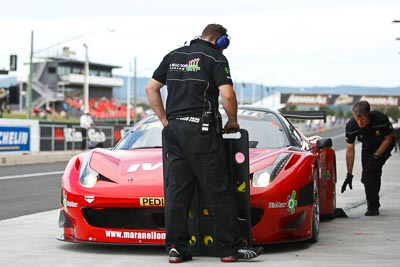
348	181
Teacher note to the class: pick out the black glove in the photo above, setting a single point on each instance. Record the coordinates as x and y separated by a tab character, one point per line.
348	181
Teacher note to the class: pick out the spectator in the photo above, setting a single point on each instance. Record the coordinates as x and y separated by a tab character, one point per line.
86	122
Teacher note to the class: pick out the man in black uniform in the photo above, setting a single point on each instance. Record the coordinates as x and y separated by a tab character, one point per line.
375	131
193	146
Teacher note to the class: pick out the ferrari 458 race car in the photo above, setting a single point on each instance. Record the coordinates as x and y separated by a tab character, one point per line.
116	195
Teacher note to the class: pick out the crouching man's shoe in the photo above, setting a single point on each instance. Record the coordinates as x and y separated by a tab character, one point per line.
176	257
372	212
244	254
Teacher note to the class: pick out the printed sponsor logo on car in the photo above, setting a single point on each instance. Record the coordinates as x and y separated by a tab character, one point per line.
89	199
66	203
290	204
72	204
277	205
145	166
152	201
141	235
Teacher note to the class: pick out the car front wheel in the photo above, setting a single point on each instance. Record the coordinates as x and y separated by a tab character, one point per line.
315	215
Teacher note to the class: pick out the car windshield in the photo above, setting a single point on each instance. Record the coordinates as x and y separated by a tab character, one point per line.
145	134
265	131
264	134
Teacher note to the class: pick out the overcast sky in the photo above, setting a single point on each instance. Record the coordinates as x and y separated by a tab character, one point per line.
280	42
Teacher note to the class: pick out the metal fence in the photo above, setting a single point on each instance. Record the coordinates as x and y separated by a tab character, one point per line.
56	137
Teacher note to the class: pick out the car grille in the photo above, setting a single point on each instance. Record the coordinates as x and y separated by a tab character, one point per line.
130	218
125	218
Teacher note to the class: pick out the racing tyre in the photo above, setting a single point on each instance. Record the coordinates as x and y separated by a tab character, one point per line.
315	215
332	215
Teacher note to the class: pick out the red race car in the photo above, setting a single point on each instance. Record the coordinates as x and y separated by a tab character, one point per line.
116	195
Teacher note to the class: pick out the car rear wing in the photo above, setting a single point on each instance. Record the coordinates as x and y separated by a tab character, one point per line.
305	115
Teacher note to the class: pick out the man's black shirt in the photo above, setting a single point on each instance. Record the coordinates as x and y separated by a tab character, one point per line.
372	136
193	74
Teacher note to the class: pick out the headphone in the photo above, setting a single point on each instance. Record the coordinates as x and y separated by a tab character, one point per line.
222	42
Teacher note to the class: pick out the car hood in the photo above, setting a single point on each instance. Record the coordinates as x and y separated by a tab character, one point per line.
144	166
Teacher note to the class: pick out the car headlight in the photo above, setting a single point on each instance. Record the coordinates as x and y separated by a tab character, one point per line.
90	180
265	176
261	178
88	177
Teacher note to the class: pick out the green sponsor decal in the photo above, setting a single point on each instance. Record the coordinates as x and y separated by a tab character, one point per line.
292	202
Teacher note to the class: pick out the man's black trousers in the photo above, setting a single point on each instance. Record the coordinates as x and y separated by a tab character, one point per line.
84	139
198	159
371	177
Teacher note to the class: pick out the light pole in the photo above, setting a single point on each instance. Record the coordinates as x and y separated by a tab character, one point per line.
134	91
29	92
128	93
128	97
86	81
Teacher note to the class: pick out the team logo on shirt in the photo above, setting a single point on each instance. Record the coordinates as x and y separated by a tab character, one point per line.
191	66
227	70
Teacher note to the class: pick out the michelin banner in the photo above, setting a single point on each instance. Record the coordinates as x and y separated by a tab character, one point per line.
19	135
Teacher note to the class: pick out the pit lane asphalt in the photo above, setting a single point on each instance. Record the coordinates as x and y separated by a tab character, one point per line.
353	241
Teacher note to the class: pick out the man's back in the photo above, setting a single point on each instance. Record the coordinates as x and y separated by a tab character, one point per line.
192	75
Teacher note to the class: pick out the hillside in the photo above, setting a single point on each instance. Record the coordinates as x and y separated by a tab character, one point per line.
251	91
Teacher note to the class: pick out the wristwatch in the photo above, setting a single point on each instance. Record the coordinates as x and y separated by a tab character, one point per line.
376	155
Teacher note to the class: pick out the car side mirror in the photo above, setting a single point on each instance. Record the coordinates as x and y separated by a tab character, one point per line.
324	143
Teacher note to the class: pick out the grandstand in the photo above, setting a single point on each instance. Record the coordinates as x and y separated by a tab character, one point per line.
57	88
101	108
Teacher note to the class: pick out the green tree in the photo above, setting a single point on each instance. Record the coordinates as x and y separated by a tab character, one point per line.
340	114
349	114
327	109
393	112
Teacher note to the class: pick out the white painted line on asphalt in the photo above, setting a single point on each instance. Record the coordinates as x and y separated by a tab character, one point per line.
30	175
337	136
